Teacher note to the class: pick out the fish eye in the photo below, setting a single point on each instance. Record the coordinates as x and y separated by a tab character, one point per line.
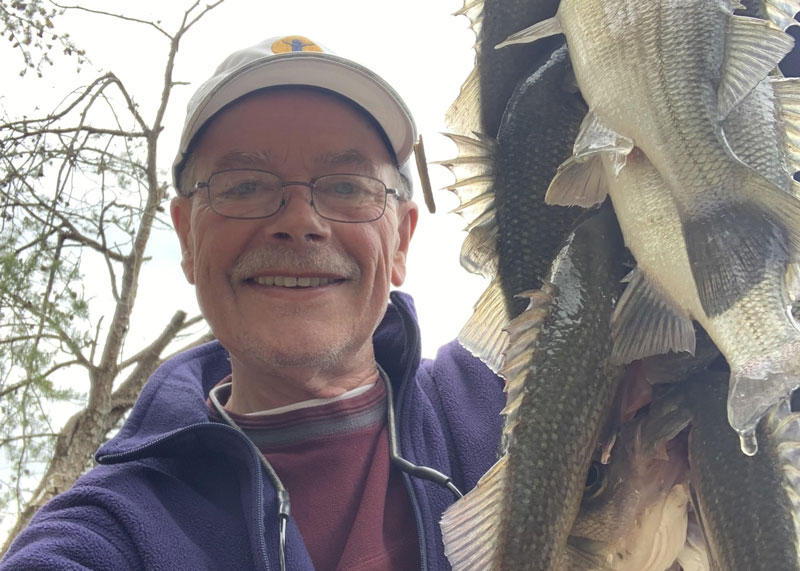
595	481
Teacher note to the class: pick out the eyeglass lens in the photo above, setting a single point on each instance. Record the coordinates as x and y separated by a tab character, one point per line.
243	193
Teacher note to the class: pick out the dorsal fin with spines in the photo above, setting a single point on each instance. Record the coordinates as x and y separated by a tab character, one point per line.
473	169
463	115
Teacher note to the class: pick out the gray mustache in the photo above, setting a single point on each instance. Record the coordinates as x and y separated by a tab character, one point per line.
323	261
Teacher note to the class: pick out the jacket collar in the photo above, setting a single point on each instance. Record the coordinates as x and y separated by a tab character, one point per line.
174	398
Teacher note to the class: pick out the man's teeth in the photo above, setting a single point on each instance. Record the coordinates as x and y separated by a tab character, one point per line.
291	281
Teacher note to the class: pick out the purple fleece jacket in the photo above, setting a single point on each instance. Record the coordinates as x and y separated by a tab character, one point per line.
176	491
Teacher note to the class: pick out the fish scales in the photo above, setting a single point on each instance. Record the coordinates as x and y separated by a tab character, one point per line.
748	506
661	76
688	204
483	98
756	332
540	122
520	514
513	234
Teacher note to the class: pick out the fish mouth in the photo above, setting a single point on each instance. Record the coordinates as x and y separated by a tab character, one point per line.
291	281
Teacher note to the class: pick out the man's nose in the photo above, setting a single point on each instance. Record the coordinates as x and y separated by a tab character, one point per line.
297	220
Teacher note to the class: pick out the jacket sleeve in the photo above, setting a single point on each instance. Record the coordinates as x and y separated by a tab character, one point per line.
469	398
71	534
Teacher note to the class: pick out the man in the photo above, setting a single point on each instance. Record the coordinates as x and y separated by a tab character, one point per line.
310	435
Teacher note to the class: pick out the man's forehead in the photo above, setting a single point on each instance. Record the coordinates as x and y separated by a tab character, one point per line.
265	159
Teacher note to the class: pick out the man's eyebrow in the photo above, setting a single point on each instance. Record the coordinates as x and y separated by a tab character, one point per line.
349	157
243	159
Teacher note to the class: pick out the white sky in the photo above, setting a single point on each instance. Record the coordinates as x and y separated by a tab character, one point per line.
418	46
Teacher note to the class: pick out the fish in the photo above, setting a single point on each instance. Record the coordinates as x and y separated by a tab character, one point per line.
560	389
634	515
714	238
748	507
513	235
480	106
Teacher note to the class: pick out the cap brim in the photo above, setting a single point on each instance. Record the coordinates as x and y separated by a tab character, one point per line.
314	69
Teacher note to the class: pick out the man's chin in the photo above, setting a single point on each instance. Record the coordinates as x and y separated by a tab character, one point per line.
296	351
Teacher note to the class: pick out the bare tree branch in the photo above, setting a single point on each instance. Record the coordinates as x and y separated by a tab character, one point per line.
6	441
78	185
113	15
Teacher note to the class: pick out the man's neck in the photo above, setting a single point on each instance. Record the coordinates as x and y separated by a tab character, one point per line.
254	392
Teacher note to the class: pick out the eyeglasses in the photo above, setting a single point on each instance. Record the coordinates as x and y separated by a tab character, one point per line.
250	194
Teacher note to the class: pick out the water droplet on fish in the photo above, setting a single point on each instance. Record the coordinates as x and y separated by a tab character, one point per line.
748	443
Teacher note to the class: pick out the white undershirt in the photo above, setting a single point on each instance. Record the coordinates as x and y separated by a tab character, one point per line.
312	402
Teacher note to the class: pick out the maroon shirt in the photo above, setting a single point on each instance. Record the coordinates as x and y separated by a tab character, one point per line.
349	502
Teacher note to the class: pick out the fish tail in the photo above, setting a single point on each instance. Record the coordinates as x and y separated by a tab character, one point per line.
473	526
730	241
758	385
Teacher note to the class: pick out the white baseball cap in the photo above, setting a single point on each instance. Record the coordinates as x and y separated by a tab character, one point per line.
297	60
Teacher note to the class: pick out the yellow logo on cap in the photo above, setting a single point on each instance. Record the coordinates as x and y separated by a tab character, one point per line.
294	44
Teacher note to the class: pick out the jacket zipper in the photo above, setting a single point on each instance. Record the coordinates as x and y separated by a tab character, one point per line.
401	401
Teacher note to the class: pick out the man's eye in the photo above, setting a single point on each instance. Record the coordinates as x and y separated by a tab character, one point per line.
343	188
243	189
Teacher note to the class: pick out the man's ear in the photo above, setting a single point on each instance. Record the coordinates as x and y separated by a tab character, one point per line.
181	210
408	214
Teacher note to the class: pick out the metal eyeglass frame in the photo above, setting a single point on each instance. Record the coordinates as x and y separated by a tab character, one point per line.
283	184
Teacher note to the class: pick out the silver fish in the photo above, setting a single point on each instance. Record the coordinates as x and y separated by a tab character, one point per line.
712	236
634	514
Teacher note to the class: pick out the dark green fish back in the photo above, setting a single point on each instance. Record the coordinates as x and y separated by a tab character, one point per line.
569	388
513	235
536	135
486	91
560	389
739	495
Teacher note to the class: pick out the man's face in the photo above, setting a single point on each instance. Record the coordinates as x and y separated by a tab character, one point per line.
346	269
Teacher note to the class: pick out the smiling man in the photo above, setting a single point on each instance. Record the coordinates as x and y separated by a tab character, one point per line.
310	435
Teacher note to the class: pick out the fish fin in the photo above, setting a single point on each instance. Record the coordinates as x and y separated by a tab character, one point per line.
523	334
543	29
666	418
753	48
757	386
464	114
578	182
787	96
473	10
645	323
581	179
595	136
483	334
728	245
475	155
479	251
473	169
472	527
781	12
